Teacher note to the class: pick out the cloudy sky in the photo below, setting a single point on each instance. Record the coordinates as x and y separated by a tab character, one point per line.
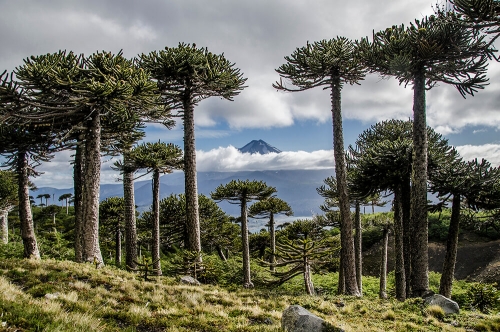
255	35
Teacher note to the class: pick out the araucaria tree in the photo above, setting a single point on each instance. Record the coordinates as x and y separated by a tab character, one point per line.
242	192
157	158
330	63
438	48
185	76
268	208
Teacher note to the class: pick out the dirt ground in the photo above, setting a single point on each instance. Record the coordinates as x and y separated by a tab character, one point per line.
477	259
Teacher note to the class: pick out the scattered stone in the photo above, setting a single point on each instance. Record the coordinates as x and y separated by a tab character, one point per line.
449	306
268	321
50	296
188	280
297	319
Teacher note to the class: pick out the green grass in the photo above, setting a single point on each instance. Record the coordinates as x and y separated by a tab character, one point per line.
110	299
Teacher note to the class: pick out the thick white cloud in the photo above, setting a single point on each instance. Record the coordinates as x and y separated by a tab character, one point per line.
230	159
490	152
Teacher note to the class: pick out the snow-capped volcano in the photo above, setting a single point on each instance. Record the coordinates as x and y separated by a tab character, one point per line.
259	147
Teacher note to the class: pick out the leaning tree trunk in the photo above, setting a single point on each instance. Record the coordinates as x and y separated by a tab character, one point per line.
347	242
420	256
190	177
247	282
407	230
451	249
156	222
399	268
130	222
25	216
91	186
221	253
307	276
78	193
383	265
358	247
272	232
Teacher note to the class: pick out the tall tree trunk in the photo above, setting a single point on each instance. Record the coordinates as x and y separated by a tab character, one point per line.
420	259
346	239
247	282
25	216
156	222
4	224
118	247
130	222
67	207
399	272
383	264
358	247
272	232
341	281
307	277
451	249
407	230
91	186
190	177
78	193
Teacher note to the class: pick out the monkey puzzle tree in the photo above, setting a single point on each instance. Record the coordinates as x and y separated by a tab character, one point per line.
242	192
330	193
157	158
330	63
479	184
92	94
66	197
186	75
111	222
303	245
438	48
382	160
268	208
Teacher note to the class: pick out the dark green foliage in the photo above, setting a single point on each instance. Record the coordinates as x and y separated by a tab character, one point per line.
442	43
483	296
204	73
238	190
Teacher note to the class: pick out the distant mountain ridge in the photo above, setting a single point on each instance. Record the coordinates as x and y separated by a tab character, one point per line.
260	147
297	187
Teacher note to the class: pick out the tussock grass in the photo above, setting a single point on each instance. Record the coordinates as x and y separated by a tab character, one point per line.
110	299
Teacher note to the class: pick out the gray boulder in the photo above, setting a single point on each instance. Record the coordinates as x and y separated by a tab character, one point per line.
188	280
297	319
449	306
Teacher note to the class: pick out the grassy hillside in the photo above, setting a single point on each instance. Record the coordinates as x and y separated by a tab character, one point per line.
52	295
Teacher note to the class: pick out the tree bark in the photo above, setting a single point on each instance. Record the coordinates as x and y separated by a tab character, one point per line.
220	253
407	230
91	186
78	192
156	223
130	221
358	247
451	249
383	265
247	282
4	223
190	177
399	272
346	238
118	247
272	233
420	256
307	278
25	216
